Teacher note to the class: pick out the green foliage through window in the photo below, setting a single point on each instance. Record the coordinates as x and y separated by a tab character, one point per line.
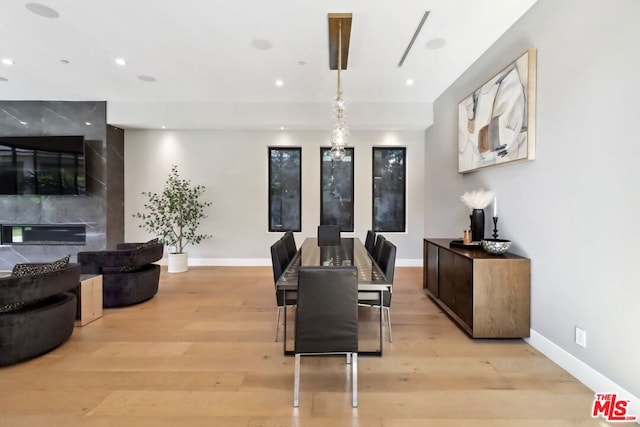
285	188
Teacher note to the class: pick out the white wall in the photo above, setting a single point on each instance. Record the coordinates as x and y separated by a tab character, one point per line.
233	167
574	210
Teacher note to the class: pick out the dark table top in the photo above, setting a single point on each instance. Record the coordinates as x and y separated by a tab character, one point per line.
350	252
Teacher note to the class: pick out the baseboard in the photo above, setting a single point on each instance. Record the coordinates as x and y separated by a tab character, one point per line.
588	376
225	262
406	262
264	262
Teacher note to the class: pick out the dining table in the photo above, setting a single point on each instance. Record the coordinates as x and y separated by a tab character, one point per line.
372	283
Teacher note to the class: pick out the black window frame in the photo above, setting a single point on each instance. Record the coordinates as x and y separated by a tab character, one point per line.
378	191
284	227
324	219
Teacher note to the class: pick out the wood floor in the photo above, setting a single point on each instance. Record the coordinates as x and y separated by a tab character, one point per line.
202	353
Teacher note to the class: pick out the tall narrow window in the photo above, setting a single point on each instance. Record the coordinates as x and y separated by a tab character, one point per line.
285	188
389	189
336	191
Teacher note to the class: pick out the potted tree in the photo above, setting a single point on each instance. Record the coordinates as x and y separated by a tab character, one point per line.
174	216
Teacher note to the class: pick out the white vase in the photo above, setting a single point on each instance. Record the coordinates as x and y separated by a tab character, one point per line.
178	263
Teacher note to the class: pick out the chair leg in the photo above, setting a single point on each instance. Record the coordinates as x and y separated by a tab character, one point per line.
278	322
354	379
296	383
388	322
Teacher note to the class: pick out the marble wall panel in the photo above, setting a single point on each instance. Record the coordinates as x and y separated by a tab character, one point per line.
29	118
115	186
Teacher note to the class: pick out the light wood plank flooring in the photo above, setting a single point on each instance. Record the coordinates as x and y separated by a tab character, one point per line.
202	353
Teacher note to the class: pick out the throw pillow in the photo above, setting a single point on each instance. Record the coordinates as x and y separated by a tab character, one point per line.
11	307
56	265
20	270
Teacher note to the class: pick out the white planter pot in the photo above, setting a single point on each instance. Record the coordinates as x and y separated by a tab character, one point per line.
178	263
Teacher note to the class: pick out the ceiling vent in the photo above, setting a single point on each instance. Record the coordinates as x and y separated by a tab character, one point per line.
413	39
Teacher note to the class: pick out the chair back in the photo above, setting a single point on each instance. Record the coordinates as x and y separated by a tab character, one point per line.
327	310
290	243
369	242
275	262
377	251
328	235
279	259
387	261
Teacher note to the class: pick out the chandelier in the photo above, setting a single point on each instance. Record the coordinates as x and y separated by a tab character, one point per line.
340	133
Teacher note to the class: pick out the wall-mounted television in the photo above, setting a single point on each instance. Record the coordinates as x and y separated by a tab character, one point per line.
42	165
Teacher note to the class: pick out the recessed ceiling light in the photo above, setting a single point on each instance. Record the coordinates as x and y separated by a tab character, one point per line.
145	78
121	62
163	127
42	10
7	61
436	43
4	79
279	83
22	122
261	44
410	82
65	61
87	123
281	127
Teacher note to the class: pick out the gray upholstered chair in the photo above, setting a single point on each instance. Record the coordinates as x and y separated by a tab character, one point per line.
377	250
279	263
327	319
328	235
290	242
129	273
37	312
387	264
370	242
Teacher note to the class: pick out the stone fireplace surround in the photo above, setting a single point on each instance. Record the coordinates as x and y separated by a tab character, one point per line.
101	210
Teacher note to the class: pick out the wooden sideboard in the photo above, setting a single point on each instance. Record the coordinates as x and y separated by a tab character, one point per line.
487	295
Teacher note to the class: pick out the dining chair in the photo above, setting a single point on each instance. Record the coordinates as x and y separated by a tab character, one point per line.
290	242
279	262
387	264
328	235
327	319
369	242
377	250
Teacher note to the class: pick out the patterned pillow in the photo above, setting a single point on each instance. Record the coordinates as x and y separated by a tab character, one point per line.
56	265
20	270
11	307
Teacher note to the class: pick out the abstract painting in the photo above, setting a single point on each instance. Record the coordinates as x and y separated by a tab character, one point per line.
496	123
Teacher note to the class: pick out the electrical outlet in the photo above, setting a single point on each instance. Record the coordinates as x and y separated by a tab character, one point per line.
581	337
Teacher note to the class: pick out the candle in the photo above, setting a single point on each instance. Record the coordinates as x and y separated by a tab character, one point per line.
495	207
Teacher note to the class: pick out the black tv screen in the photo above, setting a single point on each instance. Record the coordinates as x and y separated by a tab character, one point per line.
42	165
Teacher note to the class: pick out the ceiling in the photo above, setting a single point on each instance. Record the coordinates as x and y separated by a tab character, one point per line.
214	63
